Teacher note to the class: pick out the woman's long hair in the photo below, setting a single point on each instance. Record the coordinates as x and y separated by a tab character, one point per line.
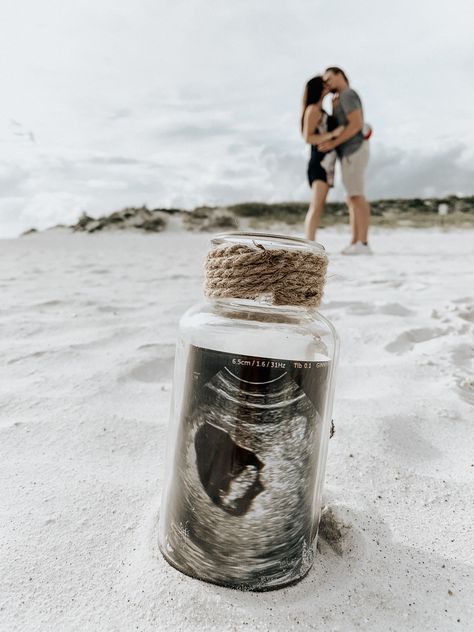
313	91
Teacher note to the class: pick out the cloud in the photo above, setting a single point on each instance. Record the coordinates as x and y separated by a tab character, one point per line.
435	172
190	133
116	160
119	114
13	178
41	210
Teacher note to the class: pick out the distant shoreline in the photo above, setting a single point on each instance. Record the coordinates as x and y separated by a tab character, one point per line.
396	212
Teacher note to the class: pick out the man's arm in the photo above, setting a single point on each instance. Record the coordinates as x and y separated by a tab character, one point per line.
354	125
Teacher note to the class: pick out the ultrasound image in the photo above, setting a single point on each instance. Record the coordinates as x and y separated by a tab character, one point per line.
240	508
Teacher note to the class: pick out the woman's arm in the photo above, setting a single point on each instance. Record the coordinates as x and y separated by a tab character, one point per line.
315	139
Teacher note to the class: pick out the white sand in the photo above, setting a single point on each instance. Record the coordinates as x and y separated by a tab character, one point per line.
88	324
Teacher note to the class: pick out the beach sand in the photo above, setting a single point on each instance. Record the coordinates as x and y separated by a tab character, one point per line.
88	325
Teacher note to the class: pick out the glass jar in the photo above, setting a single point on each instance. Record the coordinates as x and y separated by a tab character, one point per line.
248	436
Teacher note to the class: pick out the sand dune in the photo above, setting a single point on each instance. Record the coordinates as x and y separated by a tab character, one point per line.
88	326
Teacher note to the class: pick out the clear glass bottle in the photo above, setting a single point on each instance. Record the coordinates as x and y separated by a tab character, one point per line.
248	436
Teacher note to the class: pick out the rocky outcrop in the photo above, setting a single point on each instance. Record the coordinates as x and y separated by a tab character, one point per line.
210	218
202	218
416	212
140	218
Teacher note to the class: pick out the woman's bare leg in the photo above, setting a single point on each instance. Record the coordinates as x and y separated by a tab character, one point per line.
319	191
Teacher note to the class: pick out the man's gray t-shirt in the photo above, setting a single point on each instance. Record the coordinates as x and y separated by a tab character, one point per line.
348	101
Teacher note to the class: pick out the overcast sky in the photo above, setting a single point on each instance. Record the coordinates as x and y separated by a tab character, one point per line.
109	103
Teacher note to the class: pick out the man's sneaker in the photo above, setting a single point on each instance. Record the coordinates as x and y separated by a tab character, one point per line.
347	249
357	249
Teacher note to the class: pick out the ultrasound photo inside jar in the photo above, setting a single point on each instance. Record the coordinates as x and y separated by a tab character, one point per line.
240	507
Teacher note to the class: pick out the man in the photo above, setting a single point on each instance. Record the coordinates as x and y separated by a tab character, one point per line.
353	152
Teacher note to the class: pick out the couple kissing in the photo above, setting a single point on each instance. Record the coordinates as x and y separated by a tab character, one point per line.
341	135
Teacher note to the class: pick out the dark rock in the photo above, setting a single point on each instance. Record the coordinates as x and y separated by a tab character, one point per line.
94	226
82	222
169	211
155	224
221	221
202	212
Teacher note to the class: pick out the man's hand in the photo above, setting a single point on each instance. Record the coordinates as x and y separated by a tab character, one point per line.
328	145
354	125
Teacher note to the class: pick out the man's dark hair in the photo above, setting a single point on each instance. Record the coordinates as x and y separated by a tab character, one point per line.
337	71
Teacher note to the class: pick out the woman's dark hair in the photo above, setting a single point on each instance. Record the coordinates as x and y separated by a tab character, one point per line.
338	71
313	91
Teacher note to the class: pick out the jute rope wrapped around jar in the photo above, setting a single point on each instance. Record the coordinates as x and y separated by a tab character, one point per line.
292	277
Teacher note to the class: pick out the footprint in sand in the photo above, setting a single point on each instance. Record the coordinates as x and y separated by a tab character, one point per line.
359	308
161	350
462	356
404	440
467	313
352	307
389	283
51	303
465	387
461	308
29	356
408	339
394	309
158	368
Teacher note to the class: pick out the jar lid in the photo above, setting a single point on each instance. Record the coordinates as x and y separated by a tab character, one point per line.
267	240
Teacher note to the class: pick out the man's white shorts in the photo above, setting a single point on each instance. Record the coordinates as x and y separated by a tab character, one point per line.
353	170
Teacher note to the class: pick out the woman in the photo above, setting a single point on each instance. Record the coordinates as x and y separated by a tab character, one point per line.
317	126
